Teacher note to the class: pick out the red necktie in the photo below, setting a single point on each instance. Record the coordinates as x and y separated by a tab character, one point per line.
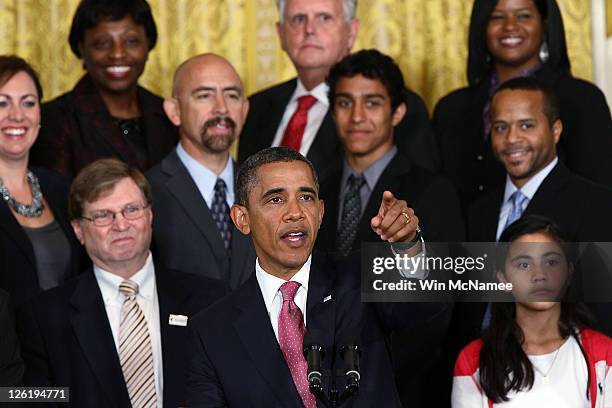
292	138
290	339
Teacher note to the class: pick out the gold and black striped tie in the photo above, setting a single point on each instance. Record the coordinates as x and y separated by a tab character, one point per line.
135	350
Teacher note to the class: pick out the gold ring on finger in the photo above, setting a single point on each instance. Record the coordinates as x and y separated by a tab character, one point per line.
408	219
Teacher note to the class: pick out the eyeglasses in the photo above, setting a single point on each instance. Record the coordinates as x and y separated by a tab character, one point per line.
104	218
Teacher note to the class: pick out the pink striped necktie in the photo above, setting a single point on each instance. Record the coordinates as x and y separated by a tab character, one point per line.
290	337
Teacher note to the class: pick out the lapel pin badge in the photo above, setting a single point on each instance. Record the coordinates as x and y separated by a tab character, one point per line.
326	298
178	320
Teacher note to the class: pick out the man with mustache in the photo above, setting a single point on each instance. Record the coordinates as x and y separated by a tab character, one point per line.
193	187
526	128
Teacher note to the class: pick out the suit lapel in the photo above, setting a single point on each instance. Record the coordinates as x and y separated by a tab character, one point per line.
490	216
16	232
330	193
243	253
182	187
320	313
325	147
274	115
545	197
173	299
93	332
252	324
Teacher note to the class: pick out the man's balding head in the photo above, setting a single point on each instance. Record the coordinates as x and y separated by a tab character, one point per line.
208	104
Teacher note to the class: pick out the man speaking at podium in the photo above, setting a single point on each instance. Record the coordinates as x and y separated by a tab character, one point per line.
247	349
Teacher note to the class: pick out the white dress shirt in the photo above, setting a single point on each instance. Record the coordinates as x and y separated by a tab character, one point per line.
273	298
529	190
205	179
147	300
316	114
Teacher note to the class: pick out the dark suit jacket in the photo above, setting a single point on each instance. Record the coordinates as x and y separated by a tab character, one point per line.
237	362
414	135
67	340
585	145
77	129
578	206
18	274
185	235
11	364
432	197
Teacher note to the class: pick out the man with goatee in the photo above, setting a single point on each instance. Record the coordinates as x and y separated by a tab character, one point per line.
193	187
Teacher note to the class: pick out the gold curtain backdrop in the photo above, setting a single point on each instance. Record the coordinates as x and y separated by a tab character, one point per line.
427	37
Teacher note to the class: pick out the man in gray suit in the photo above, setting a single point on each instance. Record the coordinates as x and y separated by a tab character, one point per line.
193	187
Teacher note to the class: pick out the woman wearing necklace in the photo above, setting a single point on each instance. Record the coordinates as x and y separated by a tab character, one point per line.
510	38
538	351
37	247
107	114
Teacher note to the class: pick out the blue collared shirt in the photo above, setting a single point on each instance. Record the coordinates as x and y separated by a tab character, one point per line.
205	179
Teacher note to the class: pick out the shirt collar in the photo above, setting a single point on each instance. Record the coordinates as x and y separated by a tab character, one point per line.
270	284
204	178
144	278
531	187
372	173
319	92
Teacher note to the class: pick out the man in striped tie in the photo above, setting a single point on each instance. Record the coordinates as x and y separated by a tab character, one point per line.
116	334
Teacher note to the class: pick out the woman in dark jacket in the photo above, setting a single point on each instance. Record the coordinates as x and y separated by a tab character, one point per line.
510	38
107	114
38	249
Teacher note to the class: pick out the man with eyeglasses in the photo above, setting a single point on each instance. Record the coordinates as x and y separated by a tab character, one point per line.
116	335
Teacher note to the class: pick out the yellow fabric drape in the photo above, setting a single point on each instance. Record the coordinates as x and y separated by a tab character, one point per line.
609	18
427	37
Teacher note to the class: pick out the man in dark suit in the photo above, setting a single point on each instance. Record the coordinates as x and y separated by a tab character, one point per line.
247	349
367	104
526	128
525	131
116	334
193	187
316	35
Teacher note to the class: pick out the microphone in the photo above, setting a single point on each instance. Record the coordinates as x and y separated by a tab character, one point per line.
350	352
314	354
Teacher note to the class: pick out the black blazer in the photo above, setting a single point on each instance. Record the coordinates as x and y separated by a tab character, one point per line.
433	199
11	364
585	145
414	135
18	274
77	129
67	341
185	236
237	362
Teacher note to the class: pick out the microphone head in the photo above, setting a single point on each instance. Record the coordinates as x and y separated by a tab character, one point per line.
313	340
349	339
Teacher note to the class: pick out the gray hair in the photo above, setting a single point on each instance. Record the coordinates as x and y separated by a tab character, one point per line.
349	8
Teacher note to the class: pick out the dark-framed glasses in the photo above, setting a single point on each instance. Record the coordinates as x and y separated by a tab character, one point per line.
104	218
